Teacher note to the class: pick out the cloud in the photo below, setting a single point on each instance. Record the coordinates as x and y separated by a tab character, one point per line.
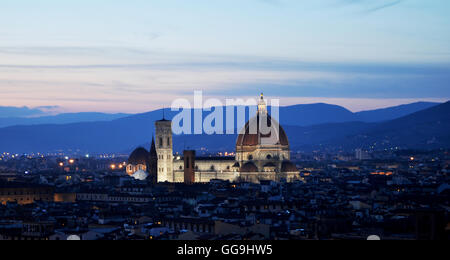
132	80
288	78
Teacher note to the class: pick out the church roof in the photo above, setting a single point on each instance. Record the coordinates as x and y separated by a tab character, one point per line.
153	149
247	138
139	156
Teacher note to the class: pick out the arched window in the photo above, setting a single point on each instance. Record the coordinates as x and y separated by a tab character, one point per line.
269	157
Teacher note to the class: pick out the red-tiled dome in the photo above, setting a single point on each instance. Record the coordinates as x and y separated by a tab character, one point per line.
246	138
139	156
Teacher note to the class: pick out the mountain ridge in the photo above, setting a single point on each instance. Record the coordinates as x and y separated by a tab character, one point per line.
64	118
124	134
301	114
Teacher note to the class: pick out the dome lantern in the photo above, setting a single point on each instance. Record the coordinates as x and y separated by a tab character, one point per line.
262	105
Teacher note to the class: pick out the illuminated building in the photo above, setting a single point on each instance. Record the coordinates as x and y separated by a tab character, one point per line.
258	156
24	193
164	150
141	161
362	155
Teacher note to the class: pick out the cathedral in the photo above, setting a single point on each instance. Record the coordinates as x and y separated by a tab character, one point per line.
259	156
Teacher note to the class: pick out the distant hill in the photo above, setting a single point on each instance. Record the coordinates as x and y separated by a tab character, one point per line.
313	114
334	127
429	128
8	112
60	119
300	137
297	115
391	113
92	137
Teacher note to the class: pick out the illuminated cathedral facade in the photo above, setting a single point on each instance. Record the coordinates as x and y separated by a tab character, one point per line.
259	156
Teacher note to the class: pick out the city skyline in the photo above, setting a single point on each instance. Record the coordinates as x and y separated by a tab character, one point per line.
242	122
139	56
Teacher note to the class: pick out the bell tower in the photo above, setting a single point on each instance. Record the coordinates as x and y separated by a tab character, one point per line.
164	150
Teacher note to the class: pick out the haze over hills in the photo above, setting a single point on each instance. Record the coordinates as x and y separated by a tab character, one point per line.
301	115
429	128
66	118
314	114
9	112
426	129
390	113
307	126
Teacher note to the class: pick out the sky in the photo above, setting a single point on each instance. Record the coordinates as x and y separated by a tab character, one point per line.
138	55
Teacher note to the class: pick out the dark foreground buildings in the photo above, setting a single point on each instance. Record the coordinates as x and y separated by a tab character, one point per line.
399	199
263	192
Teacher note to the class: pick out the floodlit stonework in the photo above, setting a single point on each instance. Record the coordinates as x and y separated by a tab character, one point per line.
259	156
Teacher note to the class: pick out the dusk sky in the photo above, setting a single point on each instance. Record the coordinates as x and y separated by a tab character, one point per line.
138	55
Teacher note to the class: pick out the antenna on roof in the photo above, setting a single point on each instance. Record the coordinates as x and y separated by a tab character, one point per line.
164	112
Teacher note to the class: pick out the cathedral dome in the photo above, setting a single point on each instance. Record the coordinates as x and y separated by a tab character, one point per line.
247	137
249	167
139	156
254	133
